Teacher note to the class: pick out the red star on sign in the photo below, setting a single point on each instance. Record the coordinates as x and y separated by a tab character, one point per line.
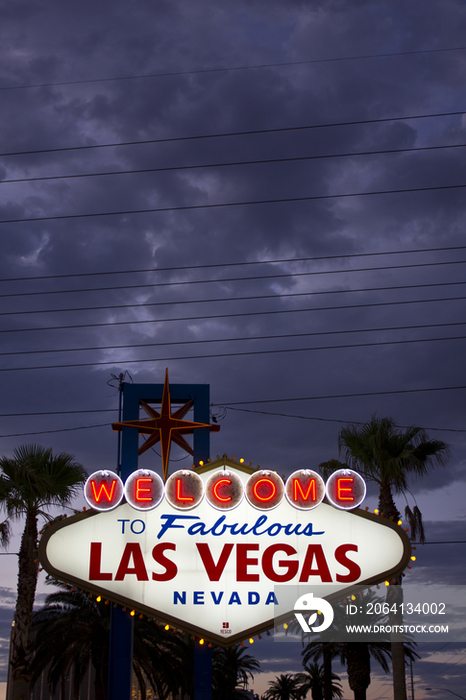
165	427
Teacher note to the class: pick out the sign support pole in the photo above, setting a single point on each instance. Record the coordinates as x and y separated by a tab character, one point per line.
121	628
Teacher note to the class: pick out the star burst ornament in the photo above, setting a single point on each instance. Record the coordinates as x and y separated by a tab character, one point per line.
165	427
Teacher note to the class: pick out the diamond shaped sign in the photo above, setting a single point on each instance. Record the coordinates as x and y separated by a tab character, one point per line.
213	553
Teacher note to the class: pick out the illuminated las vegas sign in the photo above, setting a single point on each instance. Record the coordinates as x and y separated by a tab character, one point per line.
210	550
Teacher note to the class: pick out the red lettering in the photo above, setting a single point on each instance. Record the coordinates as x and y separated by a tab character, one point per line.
242	562
290	566
266	486
297	487
221	482
132	551
345	489
179	497
354	570
141	489
95	561
171	568
214	570
103	490
315	551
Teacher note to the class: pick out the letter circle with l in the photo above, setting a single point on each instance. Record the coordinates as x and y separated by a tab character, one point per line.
306	604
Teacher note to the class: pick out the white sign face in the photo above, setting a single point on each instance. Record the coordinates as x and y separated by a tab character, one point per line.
213	571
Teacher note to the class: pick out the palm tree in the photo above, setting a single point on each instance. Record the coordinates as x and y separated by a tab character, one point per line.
328	650
313	680
358	664
284	687
383	453
387	455
232	669
72	631
30	482
357	654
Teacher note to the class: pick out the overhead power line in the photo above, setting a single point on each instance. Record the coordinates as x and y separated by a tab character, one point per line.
56	430
237	339
221	205
264	161
254	278
286	399
237	264
322	397
146	304
230	406
327	420
250	132
235	354
244	314
281	64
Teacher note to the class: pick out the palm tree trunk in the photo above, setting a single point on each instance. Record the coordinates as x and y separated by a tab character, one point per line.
358	665
327	658
141	682
395	597
386	503
27	581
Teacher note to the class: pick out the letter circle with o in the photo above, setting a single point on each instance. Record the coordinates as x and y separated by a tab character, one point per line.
264	490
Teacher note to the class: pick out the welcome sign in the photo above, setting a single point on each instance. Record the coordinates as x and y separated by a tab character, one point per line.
206	551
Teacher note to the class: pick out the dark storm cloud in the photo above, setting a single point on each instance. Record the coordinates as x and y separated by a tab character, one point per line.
48	42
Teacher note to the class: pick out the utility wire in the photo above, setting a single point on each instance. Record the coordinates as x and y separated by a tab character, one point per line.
254	278
230	407
236	264
229	404
203	318
145	304
250	132
232	68
266	161
326	420
236	354
56	430
222	205
230	340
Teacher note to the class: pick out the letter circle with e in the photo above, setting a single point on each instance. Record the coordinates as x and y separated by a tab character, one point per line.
224	490
346	489
144	489
184	489
103	490
264	489
305	489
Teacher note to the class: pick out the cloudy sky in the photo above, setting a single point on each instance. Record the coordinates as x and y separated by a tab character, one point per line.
267	197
